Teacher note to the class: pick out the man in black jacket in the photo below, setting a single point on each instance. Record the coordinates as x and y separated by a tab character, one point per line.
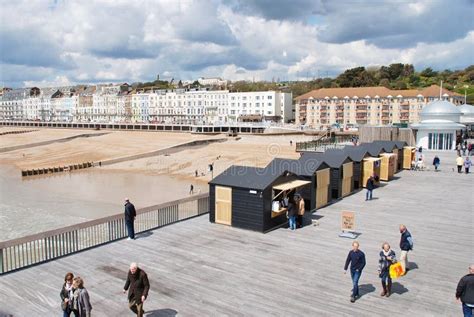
130	215
357	260
138	286
370	185
465	292
406	244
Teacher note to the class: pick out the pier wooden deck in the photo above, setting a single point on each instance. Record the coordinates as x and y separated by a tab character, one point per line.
201	269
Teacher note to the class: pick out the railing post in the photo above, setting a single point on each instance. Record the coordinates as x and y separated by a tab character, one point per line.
1	261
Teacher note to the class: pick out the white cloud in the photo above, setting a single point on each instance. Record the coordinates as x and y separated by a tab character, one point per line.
103	41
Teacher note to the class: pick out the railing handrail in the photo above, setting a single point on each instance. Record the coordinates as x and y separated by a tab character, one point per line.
90	223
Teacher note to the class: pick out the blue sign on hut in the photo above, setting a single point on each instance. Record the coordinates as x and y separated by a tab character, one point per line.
253	198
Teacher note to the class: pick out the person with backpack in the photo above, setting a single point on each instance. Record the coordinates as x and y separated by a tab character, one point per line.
436	162
81	305
65	294
406	245
386	259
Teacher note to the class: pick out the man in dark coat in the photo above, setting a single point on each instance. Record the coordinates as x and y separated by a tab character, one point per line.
138	286
406	245
465	292
356	258
130	215
370	187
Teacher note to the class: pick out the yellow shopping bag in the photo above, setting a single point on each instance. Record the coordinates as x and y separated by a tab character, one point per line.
396	270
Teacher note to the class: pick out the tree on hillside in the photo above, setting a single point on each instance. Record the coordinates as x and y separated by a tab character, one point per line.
428	72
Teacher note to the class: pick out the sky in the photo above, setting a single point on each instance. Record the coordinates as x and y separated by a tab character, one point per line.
64	42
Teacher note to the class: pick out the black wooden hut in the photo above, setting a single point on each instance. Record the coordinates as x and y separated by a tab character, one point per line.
245	197
341	171
357	155
308	167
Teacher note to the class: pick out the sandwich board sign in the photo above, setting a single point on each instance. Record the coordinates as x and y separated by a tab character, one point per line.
348	224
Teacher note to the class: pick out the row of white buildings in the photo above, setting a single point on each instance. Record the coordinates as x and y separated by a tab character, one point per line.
119	103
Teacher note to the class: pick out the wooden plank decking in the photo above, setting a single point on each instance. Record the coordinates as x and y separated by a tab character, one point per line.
202	269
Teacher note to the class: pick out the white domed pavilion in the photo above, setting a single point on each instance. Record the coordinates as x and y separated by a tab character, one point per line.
467	117
439	126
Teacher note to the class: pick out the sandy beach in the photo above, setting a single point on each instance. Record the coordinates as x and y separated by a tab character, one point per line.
31	205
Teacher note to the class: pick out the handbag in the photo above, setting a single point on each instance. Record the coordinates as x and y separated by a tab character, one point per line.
396	270
64	305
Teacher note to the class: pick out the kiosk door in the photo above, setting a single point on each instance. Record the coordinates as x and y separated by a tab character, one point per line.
223	205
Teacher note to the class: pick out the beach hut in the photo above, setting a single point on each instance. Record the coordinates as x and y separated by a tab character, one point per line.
395	147
249	198
371	167
357	154
388	166
409	154
341	171
308	167
400	145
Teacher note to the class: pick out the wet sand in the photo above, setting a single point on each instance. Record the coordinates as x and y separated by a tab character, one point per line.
32	205
29	206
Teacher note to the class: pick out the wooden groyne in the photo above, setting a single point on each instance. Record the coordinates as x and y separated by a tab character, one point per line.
17	132
58	169
30	145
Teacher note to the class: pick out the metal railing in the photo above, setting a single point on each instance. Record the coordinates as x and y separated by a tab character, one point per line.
334	141
45	246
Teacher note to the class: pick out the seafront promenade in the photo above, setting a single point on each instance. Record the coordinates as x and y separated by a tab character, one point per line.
201	269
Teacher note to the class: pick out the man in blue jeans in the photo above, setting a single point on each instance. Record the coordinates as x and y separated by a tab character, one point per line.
357	260
370	185
130	215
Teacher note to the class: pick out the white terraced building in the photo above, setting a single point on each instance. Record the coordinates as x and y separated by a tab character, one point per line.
209	106
117	103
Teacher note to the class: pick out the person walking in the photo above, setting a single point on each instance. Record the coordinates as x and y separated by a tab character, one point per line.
436	162
191	189
465	292
467	164
81	305
130	215
138	286
370	185
459	163
386	259
300	208
406	245
356	258
458	149
65	294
